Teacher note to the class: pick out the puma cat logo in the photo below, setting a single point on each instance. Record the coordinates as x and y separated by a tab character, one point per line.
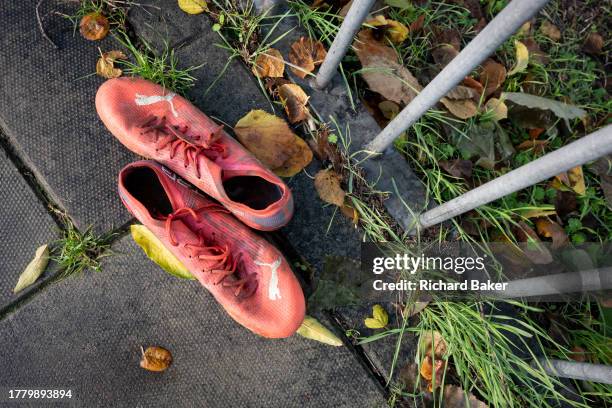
149	100
273	290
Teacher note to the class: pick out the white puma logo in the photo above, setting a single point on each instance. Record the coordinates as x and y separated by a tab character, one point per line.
273	290
149	100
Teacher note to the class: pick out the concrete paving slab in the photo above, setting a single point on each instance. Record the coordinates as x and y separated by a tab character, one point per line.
84	333
25	224
47	111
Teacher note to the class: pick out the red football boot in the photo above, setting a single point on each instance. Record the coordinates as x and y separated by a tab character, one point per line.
160	125
248	276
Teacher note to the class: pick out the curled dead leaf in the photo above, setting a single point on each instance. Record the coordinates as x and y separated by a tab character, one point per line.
105	67
312	329
492	76
271	140
433	372
34	269
474	84
305	55
497	107
458	168
573	178
538	146
382	72
593	44
156	359
522	58
294	100
269	64
327	184
550	229
350	213
94	26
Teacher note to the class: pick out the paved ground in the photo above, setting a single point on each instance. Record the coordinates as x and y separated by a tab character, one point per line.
85	332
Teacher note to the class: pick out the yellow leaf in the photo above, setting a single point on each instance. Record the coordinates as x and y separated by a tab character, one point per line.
379	318
34	269
327	184
572	179
156	359
193	6
522	58
158	253
273	142
394	30
269	64
498	108
312	329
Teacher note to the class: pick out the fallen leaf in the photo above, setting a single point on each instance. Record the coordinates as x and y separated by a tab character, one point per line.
105	67
482	143
462	92
531	245
457	397
550	229
431	369
535	52
305	55
565	203
417	25
474	84
492	76
522	58
379	319
461	108
560	109
156	358
271	140
497	107
269	64
535	133
389	109
94	26
382	72
312	329
593	44
444	54
538	146
294	100
433	344
158	253
573	178
34	269
327	184
193	6
350	213
395	31
458	168
550	30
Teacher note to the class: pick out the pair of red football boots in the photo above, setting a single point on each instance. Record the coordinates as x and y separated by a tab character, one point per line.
247	275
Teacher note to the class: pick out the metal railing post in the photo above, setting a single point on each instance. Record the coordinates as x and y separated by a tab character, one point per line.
351	24
578	371
581	151
506	23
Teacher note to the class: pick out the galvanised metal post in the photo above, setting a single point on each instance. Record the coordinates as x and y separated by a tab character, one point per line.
581	151
578	371
351	24
506	23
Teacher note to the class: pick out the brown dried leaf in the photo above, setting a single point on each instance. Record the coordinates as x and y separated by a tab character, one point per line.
305	55
156	359
94	26
271	140
593	44
458	168
327	184
105	67
382	72
474	84
538	146
350	212
535	53
444	54
294	100
430	369
492	76
573	178
269	64
550	229
550	30
461	108
417	25
462	92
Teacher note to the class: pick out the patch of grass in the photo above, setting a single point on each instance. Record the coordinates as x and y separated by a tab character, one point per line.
161	68
78	251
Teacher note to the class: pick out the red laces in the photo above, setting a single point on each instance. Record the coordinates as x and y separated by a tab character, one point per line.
192	147
223	264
